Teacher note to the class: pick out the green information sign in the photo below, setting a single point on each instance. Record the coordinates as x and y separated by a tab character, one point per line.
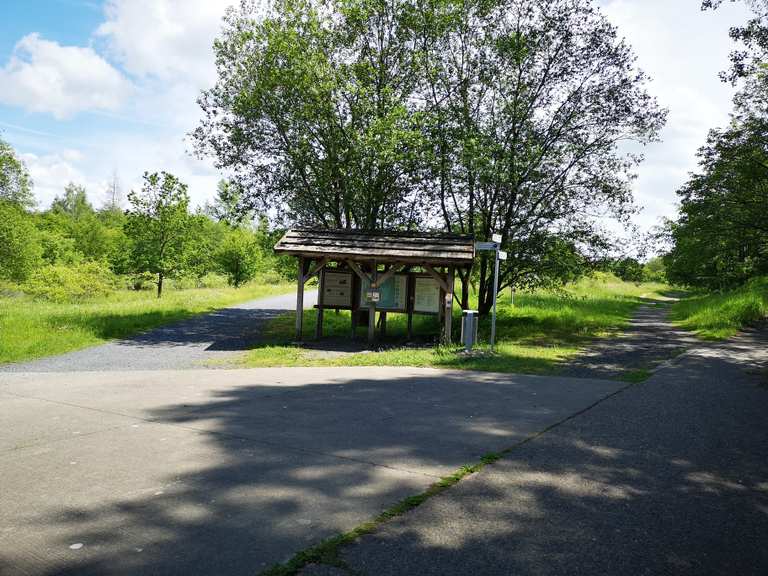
392	293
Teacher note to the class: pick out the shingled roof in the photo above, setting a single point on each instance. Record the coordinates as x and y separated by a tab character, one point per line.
382	246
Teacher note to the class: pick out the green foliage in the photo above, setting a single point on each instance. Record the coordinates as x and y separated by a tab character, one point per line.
720	239
536	333
239	256
15	182
71	283
722	314
359	114
227	206
74	203
32	328
654	270
158	225
20	249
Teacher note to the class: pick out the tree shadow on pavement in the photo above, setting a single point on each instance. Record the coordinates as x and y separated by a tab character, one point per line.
669	477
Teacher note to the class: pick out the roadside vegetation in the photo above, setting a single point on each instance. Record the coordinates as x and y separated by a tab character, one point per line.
715	316
536	331
32	327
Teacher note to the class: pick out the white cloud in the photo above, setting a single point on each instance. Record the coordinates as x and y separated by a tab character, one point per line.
683	49
44	76
51	172
166	39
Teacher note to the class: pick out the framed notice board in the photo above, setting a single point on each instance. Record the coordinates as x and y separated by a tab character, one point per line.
426	295
337	289
393	293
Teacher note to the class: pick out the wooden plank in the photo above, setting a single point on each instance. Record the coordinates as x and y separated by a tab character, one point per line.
407	256
300	300
314	270
356	269
320	299
292	245
438	277
433	235
449	308
379	240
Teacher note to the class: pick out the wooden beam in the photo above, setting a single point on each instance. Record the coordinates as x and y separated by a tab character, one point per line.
372	313
317	267
300	300
394	269
437	276
356	269
320	298
448	308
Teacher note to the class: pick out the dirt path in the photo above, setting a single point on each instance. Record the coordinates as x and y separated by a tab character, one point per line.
649	341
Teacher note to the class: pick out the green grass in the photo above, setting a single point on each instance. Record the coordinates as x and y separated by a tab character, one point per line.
32	329
535	335
721	315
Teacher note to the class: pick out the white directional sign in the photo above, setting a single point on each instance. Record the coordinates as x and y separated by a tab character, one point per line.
502	255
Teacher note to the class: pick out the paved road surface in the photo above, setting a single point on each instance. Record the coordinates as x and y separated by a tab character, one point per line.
227	471
667	477
187	344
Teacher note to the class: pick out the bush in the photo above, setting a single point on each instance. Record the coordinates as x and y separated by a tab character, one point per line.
74	283
20	249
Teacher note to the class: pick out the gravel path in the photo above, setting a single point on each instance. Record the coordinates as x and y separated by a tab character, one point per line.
649	341
667	477
187	344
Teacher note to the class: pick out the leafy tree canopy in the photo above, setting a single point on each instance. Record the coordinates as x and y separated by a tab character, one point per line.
158	224
15	182
483	117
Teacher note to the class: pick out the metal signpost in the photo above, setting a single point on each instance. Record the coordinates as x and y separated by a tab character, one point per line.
494	245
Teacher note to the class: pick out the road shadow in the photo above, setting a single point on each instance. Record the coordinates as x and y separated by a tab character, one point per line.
281	467
669	477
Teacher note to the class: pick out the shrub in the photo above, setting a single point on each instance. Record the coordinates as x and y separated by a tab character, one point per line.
20	249
74	283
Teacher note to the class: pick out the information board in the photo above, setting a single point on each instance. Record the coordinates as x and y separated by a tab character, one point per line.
337	289
426	297
392	293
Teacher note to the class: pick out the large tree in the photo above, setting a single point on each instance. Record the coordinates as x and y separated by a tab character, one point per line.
158	225
15	182
530	101
311	115
721	236
483	117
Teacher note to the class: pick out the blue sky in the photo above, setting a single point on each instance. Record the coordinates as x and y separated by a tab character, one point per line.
89	89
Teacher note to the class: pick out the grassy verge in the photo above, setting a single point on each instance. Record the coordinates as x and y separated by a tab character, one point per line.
721	315
535	334
32	329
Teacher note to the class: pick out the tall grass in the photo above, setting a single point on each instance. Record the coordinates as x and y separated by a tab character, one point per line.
32	328
721	315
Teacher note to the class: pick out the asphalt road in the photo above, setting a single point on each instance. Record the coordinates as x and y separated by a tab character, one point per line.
667	477
182	345
228	471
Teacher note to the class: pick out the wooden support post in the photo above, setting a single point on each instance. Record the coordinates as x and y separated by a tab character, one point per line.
372	310
410	302
449	307
300	299
320	298
383	322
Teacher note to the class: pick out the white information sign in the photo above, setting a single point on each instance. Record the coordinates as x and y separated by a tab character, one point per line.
337	289
426	296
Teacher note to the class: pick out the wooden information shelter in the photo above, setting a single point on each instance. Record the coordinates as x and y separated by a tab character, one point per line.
386	271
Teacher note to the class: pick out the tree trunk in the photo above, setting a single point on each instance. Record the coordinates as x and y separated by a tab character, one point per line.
159	284
464	290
